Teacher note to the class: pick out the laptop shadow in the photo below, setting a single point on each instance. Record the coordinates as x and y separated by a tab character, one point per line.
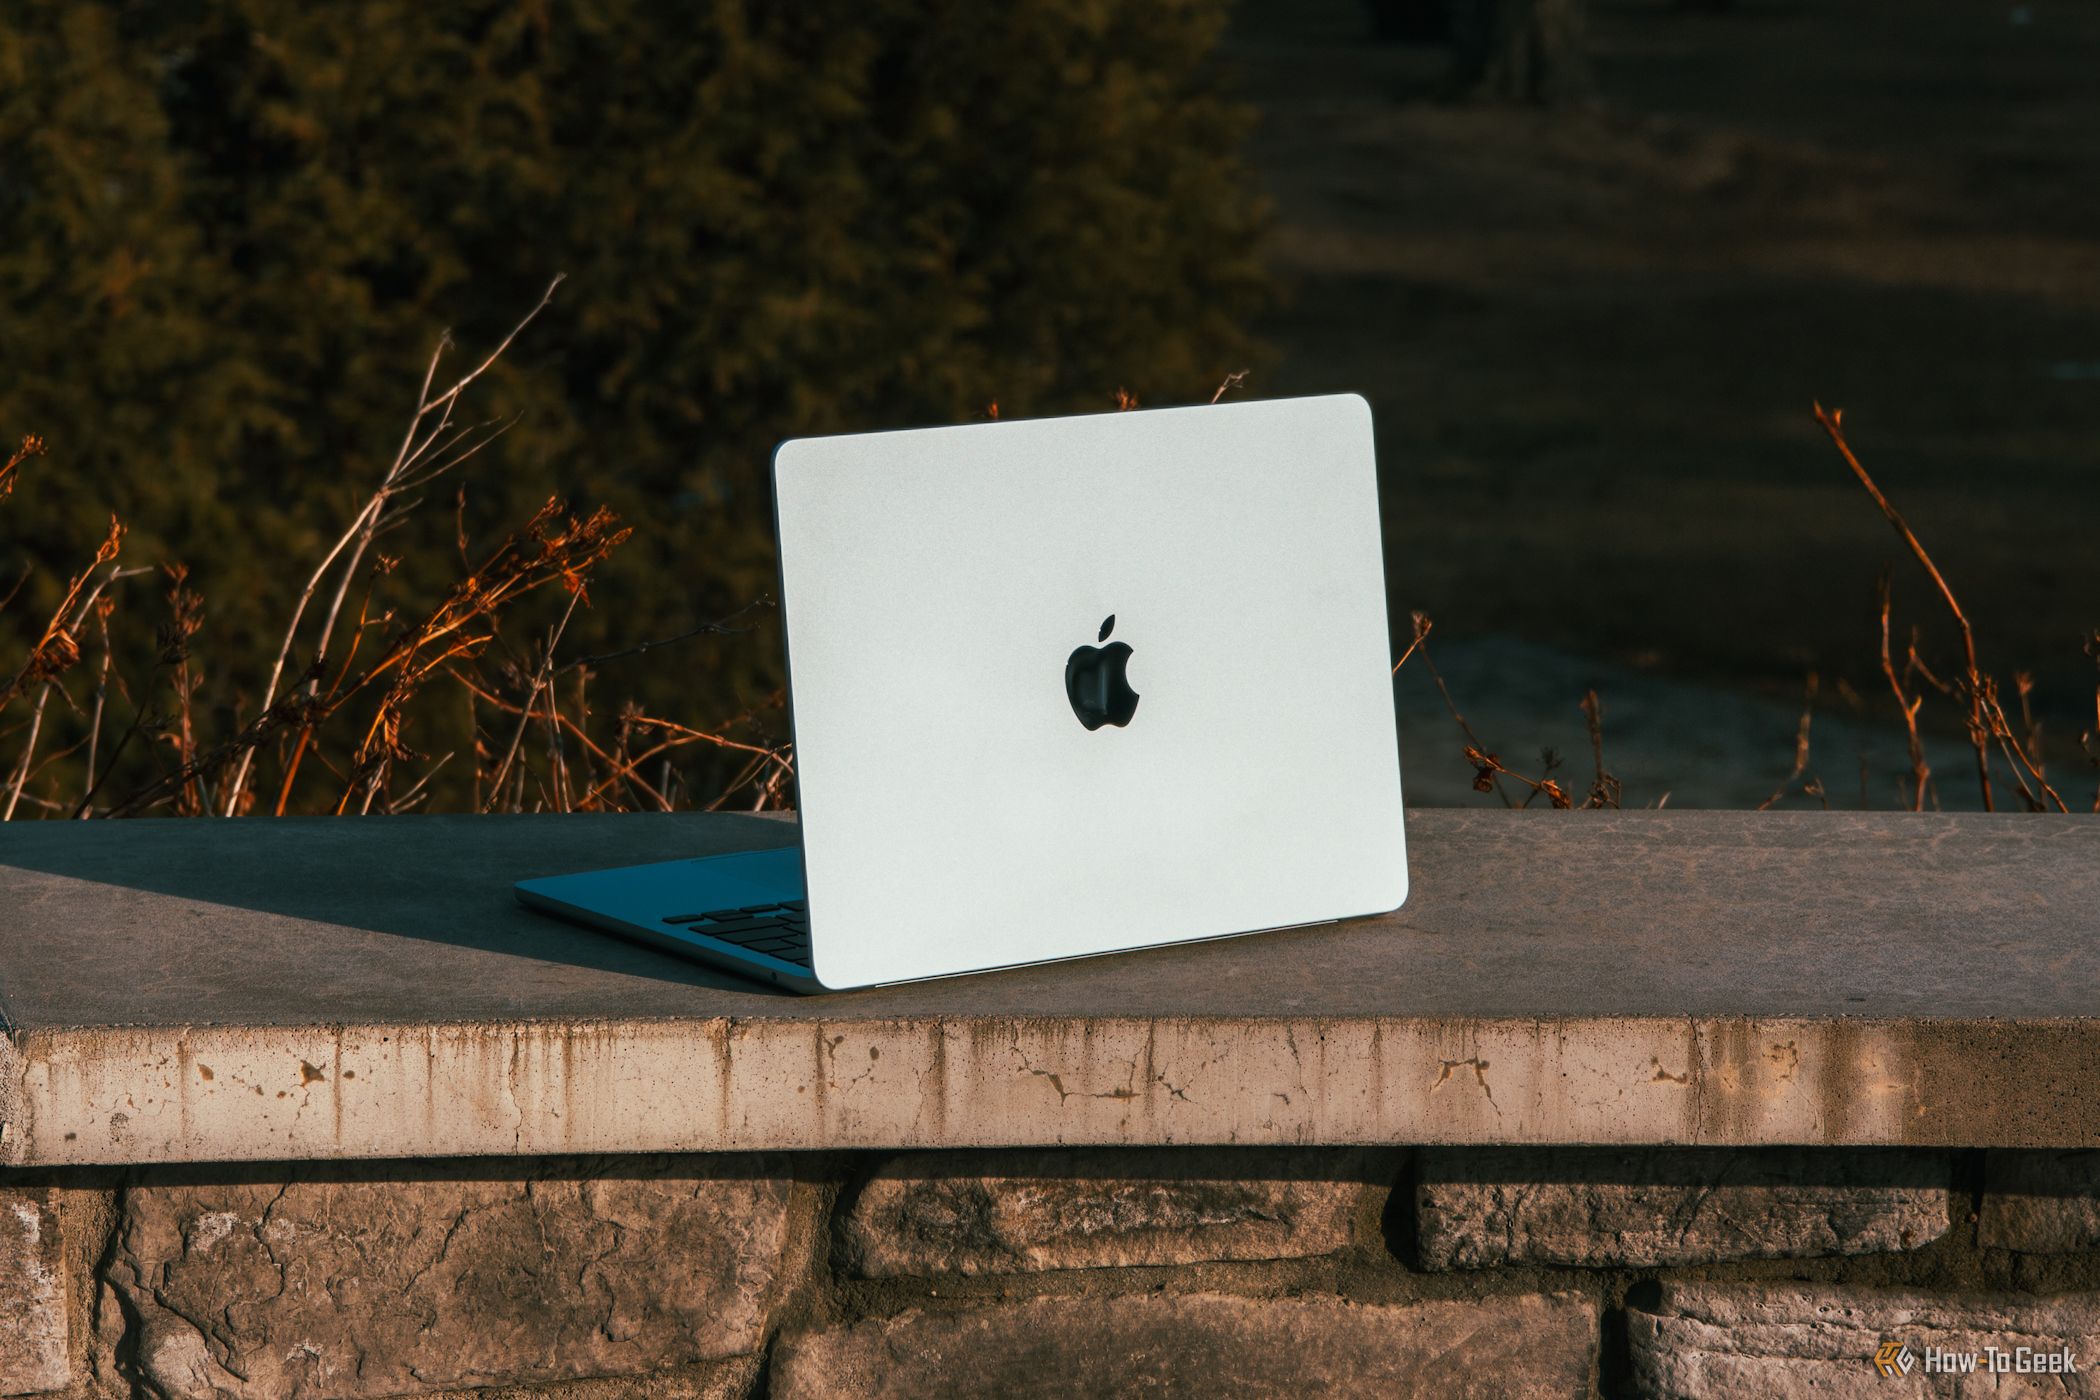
354	917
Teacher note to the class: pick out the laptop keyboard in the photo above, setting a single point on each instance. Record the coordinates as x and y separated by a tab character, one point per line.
777	930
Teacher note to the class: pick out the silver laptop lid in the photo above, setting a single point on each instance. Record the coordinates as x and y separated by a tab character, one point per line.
959	813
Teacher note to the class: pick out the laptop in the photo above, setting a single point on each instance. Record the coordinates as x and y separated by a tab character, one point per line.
1059	688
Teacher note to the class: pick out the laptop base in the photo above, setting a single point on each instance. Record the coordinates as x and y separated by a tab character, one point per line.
744	913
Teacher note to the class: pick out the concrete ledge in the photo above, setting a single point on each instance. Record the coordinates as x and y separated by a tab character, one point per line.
215	991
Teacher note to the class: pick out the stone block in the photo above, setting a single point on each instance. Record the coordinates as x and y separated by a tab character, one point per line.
1013	1212
401	1279
1524	1347
734	1379
2041	1202
1646	1207
1797	1340
34	1356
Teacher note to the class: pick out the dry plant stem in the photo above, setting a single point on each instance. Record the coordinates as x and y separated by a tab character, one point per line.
131	731
583	721
72	617
2027	797
619	766
1421	632
1492	767
747	774
53	804
2023	685
1605	790
1920	771
719	627
1545	787
414	794
1915	664
380	519
365	525
358	533
16	587
550	547
744	775
101	693
56	650
32	446
185	618
542	677
557	762
1492	770
2001	730
623	735
526	560
559	745
1801	750
761	756
1979	734
769	792
291	770
21	776
1231	381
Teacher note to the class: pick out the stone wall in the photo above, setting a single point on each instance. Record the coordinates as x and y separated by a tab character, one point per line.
1556	1272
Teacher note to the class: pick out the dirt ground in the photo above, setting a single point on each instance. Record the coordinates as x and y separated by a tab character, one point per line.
1592	339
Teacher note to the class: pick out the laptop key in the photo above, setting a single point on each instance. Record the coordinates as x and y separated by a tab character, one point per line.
736	926
778	931
742	936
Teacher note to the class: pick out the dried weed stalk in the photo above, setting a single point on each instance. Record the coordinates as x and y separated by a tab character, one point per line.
1977	691
1813	787
31	446
343	688
1605	789
1490	770
57	648
552	547
431	447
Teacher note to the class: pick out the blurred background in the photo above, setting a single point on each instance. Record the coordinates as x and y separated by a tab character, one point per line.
1592	261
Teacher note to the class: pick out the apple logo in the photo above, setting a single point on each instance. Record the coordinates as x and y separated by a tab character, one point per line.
1095	682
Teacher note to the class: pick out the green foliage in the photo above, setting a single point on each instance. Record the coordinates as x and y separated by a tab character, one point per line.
231	230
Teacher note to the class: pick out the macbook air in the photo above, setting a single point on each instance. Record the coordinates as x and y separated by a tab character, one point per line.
1059	688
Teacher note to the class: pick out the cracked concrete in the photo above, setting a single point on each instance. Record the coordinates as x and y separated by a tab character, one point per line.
222	991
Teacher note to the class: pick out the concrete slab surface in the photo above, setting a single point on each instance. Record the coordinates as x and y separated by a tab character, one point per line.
269	989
